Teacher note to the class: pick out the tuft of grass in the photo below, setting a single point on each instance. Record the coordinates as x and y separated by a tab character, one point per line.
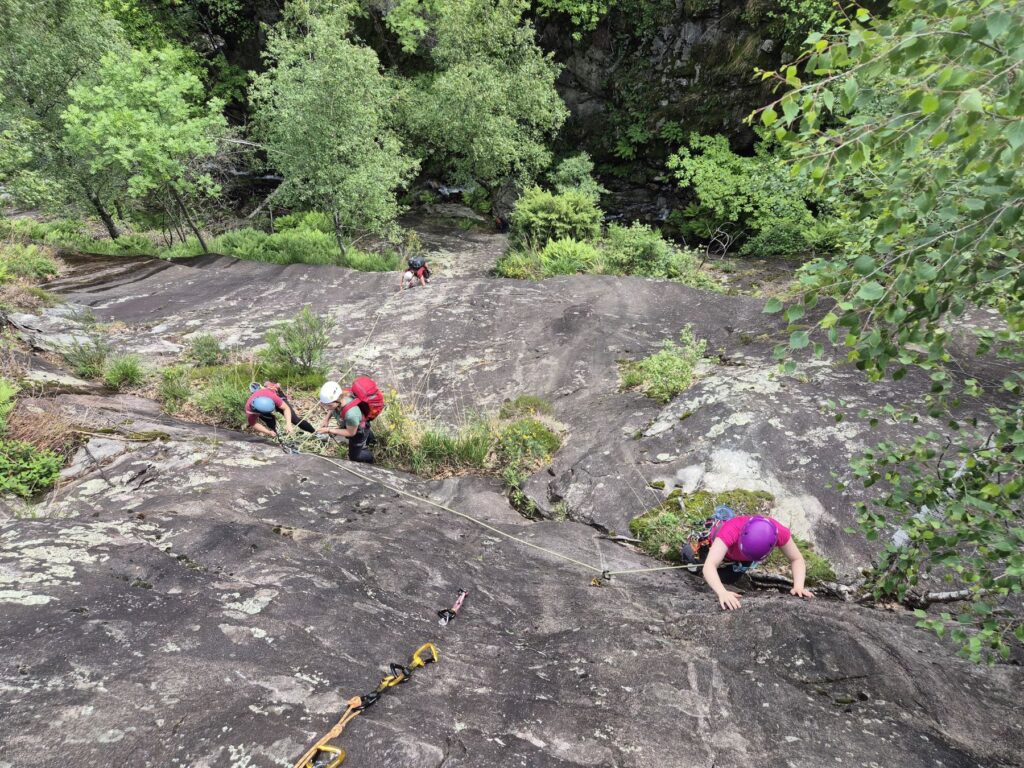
525	405
174	389
43	430
124	371
224	401
26	470
27	261
526	443
7	392
205	349
667	372
88	360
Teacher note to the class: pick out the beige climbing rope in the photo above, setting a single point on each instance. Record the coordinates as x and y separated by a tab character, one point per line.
604	574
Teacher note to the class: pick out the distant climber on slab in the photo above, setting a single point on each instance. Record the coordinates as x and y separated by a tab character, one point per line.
353	409
730	545
264	403
418	269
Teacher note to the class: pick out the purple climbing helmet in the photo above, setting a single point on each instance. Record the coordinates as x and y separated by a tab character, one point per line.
757	538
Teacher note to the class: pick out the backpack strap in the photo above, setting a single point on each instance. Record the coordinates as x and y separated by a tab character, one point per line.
354	402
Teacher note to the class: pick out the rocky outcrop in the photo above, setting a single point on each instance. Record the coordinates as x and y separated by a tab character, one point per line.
193	597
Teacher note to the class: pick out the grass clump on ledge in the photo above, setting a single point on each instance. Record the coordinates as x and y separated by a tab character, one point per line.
667	372
664	528
124	372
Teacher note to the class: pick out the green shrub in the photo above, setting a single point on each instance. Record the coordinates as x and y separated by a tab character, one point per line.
303	246
756	198
663	530
224	400
314	220
575	173
300	343
520	265
28	261
639	250
205	349
525	405
540	216
26	470
526	443
88	360
7	392
175	388
477	198
668	372
123	371
371	262
566	256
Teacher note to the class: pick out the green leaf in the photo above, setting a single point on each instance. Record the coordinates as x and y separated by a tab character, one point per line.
772	306
929	103
972	101
871	291
799	340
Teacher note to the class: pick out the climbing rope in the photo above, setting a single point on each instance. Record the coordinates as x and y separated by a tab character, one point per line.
321	754
604	575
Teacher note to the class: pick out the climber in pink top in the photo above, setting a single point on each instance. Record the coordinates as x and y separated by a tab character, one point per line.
745	539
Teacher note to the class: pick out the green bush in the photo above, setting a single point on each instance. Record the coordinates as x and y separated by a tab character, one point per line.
7	392
175	388
123	371
575	173
756	198
640	250
667	372
205	349
26	470
520	265
300	343
224	400
27	261
314	220
540	216
526	443
477	198
663	529
566	256
88	360
371	262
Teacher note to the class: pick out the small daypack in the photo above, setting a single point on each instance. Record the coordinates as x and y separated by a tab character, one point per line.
694	550
416	263
367	395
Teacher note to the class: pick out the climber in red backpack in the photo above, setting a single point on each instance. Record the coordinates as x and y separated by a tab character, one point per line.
353	408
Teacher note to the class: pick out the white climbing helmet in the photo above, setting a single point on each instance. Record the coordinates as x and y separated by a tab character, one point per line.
330	392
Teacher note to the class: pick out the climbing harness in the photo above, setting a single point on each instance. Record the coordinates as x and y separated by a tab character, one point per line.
321	754
445	615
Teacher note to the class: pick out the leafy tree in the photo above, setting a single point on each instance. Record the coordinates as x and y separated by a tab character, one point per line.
48	46
143	118
918	121
585	14
323	111
755	200
489	108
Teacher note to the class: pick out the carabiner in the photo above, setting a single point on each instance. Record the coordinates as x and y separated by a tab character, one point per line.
417	658
366	701
326	757
444	616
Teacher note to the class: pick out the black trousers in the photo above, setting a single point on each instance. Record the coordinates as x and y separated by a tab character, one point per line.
270	420
359	445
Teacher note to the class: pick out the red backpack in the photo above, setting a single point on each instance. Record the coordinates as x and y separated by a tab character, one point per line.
367	396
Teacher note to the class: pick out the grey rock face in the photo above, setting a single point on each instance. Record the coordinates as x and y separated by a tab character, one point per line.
207	600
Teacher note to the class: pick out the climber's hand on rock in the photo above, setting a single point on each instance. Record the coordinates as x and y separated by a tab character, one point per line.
804	593
729	601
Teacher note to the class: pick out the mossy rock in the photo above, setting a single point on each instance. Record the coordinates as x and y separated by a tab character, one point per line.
819	569
665	527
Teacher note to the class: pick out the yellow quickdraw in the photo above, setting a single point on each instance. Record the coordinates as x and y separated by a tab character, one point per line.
417	658
335	756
